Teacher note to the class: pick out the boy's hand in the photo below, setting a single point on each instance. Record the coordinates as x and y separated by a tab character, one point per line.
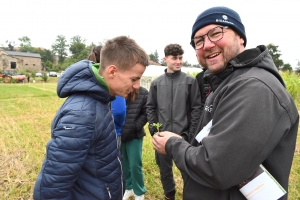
152	130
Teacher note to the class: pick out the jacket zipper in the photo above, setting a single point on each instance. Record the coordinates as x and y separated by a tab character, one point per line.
107	188
121	175
172	105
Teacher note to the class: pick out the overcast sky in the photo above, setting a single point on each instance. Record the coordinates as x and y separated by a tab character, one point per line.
152	23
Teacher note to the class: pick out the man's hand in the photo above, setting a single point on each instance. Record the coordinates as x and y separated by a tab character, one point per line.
160	139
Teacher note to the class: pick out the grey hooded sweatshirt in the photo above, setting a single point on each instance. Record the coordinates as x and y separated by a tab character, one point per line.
254	121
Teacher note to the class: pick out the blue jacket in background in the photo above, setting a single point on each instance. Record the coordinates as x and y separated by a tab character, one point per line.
118	107
82	160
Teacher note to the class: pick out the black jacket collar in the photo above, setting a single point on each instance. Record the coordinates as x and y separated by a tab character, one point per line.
172	75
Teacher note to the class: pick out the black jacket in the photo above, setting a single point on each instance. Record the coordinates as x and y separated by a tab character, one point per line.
174	101
136	117
254	121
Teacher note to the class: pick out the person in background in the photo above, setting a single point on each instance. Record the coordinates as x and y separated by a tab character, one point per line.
82	160
249	118
28	78
132	143
118	106
95	54
174	101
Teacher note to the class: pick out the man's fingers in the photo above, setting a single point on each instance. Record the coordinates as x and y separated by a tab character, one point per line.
154	142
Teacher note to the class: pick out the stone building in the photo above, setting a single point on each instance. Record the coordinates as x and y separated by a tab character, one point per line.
13	60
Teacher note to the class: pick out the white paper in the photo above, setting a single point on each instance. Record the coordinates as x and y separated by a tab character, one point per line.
204	132
264	186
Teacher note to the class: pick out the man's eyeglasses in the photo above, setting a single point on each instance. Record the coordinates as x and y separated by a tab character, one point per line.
213	35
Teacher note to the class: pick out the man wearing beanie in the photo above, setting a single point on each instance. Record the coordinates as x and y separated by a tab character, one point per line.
249	119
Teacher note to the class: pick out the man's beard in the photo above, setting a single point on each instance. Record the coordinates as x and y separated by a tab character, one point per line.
228	53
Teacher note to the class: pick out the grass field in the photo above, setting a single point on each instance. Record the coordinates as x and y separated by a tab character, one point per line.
26	112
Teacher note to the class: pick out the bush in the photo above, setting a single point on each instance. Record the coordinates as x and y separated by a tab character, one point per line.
194	74
44	77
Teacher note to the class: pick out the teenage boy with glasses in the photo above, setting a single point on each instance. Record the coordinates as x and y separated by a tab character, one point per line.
253	120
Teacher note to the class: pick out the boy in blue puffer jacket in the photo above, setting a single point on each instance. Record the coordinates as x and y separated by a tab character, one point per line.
118	106
82	160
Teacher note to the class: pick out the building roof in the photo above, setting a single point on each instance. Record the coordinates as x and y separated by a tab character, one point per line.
23	54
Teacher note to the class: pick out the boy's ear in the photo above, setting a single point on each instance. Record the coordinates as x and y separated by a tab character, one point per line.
111	71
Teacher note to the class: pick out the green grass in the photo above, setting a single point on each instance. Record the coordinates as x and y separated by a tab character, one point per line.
292	82
27	111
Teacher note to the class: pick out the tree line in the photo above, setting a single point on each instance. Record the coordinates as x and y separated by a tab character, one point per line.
77	49
67	52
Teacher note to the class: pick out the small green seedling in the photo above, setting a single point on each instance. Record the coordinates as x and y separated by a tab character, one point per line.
157	125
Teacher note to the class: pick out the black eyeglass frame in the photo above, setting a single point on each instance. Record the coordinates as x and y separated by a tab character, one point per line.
193	43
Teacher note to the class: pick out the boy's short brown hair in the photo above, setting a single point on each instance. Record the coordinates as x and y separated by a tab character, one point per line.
122	52
174	50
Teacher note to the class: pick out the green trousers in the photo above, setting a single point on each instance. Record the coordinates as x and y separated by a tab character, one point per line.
132	166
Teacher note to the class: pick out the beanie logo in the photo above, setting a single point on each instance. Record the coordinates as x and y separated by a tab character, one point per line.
224	20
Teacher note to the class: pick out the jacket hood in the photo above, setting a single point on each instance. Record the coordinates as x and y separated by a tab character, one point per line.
80	78
256	57
251	58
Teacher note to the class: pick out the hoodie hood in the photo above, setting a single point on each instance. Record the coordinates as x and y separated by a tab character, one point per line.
80	78
257	57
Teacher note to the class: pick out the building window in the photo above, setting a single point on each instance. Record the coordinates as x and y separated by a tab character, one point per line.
33	64
13	65
26	64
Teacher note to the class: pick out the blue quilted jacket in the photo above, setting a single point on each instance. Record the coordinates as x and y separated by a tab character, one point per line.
82	160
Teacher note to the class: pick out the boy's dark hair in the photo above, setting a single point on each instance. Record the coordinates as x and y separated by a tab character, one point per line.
174	50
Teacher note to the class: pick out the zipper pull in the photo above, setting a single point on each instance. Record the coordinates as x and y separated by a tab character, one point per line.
107	188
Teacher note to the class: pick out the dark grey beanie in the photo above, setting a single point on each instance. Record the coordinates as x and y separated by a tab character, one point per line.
220	15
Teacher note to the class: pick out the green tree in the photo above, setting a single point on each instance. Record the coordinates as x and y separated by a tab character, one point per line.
78	47
48	65
162	62
25	45
186	63
275	54
44	77
297	70
154	56
77	39
287	67
10	45
196	65
47	58
60	48
46	54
